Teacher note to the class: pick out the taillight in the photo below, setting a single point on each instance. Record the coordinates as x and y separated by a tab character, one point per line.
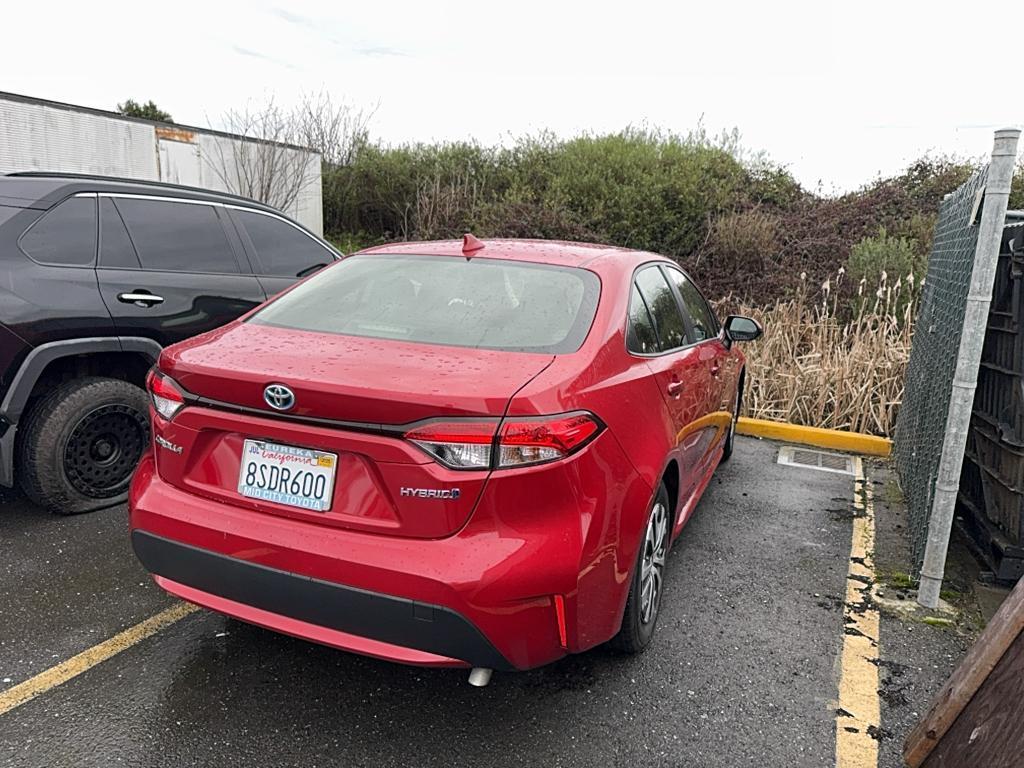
167	396
522	441
457	444
533	441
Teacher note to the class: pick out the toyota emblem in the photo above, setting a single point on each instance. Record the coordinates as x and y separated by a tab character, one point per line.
279	397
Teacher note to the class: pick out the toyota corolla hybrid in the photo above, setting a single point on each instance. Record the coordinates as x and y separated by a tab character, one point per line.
457	453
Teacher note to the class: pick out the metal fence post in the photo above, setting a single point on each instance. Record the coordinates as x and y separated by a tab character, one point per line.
947	482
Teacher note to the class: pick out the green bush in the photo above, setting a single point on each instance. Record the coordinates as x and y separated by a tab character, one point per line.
744	226
1017	189
635	188
886	267
897	256
381	190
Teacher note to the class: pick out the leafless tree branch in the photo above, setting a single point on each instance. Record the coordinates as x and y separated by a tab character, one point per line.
269	170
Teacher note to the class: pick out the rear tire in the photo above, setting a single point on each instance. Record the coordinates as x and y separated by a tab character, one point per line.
730	439
647	586
79	445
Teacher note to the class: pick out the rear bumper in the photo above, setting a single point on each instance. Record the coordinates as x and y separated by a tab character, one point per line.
483	596
300	605
475	598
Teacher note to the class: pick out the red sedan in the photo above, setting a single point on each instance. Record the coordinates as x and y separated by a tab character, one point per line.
448	454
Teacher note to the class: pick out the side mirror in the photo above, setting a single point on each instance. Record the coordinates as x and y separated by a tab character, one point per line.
740	328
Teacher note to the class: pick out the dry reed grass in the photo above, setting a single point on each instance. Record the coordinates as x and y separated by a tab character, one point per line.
825	364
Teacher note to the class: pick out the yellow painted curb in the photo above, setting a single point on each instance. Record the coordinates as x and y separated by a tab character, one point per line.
854	442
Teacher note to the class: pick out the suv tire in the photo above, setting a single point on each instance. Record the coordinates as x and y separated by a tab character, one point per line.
81	443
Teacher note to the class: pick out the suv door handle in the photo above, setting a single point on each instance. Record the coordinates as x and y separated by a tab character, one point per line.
145	299
675	388
716	368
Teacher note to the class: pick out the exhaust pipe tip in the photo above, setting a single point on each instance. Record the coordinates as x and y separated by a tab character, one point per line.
480	676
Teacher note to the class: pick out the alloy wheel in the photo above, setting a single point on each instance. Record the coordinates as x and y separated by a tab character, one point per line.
653	564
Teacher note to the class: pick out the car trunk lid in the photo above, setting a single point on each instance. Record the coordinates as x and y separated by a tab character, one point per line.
353	397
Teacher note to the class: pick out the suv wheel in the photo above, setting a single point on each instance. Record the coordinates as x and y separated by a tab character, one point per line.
81	443
647	586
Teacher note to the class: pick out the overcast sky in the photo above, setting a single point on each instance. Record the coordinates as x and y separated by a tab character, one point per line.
838	92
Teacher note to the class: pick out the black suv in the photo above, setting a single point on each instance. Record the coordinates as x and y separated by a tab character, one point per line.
96	276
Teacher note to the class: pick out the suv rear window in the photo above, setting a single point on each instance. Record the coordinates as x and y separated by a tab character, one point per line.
65	235
282	249
483	303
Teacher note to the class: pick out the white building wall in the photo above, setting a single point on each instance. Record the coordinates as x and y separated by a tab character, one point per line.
44	137
38	137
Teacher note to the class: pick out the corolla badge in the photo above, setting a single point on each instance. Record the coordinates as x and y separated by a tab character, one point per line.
165	443
279	397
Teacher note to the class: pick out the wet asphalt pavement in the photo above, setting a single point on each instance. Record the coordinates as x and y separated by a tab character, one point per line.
743	669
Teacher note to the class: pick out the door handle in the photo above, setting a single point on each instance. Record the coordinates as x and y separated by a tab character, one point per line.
675	388
145	299
716	369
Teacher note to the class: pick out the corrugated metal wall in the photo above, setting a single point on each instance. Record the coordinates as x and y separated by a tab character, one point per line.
44	137
34	137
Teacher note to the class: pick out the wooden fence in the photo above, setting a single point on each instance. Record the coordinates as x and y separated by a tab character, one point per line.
976	719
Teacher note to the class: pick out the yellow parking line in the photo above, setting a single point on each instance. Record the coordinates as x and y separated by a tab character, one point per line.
858	715
48	679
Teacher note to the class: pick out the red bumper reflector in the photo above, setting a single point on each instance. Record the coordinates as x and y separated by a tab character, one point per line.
560	615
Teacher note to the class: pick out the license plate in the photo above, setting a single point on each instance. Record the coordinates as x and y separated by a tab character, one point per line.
298	477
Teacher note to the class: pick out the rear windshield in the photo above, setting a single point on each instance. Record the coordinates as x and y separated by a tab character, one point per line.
484	303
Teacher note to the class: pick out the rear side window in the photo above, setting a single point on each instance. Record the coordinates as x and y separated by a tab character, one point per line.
483	303
177	237
65	235
705	325
116	249
281	249
640	334
664	309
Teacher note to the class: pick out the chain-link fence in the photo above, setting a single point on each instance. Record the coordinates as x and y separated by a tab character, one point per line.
921	425
949	336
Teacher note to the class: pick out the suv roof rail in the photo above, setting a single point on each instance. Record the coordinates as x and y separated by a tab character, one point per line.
144	182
